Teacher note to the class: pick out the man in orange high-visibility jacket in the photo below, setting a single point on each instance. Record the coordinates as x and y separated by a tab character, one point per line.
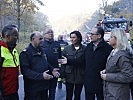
9	62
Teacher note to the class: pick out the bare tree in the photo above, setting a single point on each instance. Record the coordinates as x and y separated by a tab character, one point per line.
104	3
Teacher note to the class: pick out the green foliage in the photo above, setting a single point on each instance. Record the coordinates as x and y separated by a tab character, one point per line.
24	40
23	13
131	36
118	8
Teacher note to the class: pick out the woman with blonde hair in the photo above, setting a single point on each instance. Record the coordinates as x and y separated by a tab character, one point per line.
119	71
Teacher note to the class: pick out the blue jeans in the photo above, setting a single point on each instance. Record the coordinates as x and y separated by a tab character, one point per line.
52	89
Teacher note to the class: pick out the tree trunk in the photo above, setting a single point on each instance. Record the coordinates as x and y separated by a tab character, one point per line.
18	14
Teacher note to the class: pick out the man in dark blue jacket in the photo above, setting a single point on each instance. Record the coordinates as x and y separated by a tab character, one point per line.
53	52
96	55
37	72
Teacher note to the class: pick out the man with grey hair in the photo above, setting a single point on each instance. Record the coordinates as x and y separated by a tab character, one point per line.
53	52
36	70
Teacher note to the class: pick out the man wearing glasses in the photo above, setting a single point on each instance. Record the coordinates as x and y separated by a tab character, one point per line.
96	55
53	52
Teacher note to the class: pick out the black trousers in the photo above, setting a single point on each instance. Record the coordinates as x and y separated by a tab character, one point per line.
13	96
91	96
76	88
52	89
40	95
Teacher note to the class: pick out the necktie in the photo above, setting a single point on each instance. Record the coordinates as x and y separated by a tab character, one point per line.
94	47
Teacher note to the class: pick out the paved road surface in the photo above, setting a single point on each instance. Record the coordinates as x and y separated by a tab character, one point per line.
60	93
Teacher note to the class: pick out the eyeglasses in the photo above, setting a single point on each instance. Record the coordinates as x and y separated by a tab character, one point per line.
94	34
49	32
14	36
40	38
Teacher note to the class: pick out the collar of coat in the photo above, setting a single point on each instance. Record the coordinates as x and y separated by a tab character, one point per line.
80	46
100	44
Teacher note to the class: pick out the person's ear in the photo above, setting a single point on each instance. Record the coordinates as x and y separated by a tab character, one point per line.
99	36
33	38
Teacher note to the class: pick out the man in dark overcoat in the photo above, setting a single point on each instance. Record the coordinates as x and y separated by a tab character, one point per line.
96	55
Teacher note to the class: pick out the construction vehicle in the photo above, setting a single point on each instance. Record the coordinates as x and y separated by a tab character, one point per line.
110	23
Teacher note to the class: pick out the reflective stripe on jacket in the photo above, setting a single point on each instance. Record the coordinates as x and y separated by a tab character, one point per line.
9	71
10	60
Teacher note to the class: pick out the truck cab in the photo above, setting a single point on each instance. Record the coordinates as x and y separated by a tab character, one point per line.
110	23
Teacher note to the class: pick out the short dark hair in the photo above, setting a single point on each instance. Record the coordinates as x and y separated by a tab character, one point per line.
31	36
34	34
100	31
8	29
78	34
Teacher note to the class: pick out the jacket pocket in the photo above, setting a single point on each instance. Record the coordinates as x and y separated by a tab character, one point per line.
68	69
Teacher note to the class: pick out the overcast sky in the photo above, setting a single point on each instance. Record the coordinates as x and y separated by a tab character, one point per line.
57	8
